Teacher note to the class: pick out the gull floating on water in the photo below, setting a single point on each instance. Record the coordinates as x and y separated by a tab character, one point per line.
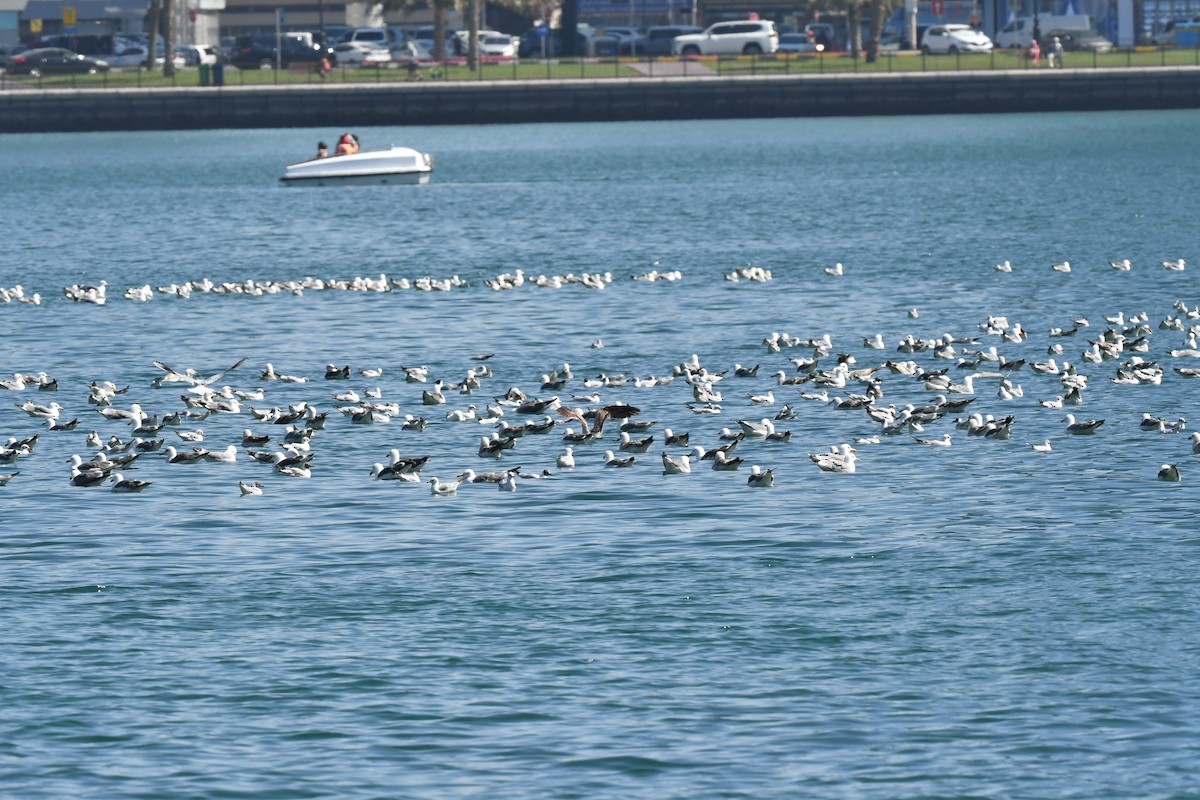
255	488
759	478
1169	472
676	466
1081	428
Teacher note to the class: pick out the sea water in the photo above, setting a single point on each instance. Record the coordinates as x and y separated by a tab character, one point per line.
979	620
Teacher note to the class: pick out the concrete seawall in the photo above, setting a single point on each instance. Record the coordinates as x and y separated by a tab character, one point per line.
615	99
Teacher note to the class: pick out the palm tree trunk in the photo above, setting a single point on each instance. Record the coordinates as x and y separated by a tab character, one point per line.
439	32
854	22
473	35
877	12
152	20
169	55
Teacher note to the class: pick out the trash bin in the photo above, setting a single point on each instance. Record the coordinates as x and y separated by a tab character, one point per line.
205	73
218	74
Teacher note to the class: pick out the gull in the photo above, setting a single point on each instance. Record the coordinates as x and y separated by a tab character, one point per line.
1081	428
442	488
723	463
757	430
1044	447
611	460
127	485
509	483
371	373
8	476
634	445
759	478
226	456
745	372
1004	266
676	439
434	396
602	415
189	375
255	488
175	457
676	466
1064	266
87	477
840	461
1122	265
31	408
1177	266
1169	472
913	313
763	399
836	269
251	439
470	476
875	342
943	442
567	459
191	436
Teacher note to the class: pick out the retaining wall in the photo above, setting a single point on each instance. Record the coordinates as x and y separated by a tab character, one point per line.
431	102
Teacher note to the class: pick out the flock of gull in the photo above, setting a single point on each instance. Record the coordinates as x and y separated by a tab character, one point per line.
945	380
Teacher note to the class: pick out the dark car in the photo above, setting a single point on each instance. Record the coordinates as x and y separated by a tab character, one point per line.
657	41
1078	40
54	61
531	44
258	51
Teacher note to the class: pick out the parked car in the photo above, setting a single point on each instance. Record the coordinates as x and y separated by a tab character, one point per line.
498	46
1078	40
798	43
657	40
258	51
7	51
626	38
381	37
1166	37
739	37
197	54
139	57
355	53
54	61
531	43
955	39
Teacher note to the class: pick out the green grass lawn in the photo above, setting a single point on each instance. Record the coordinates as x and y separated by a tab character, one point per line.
568	69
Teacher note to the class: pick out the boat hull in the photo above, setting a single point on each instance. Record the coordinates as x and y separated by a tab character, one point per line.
396	166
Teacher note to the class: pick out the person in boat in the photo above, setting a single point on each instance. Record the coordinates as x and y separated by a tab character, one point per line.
322	150
347	145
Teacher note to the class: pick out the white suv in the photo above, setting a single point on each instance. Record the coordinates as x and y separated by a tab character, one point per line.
741	37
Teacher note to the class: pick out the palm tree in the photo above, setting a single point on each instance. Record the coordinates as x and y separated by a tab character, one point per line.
879	11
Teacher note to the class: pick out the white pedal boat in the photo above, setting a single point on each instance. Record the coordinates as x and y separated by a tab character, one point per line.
396	165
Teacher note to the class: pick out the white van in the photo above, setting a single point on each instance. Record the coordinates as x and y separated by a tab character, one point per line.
1019	32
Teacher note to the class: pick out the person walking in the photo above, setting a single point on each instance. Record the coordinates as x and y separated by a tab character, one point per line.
1055	56
1035	53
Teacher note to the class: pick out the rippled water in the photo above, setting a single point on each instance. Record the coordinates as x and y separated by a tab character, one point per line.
972	621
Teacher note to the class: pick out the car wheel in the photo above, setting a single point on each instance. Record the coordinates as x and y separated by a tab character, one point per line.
91	71
752	49
925	49
691	50
953	50
266	63
35	73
